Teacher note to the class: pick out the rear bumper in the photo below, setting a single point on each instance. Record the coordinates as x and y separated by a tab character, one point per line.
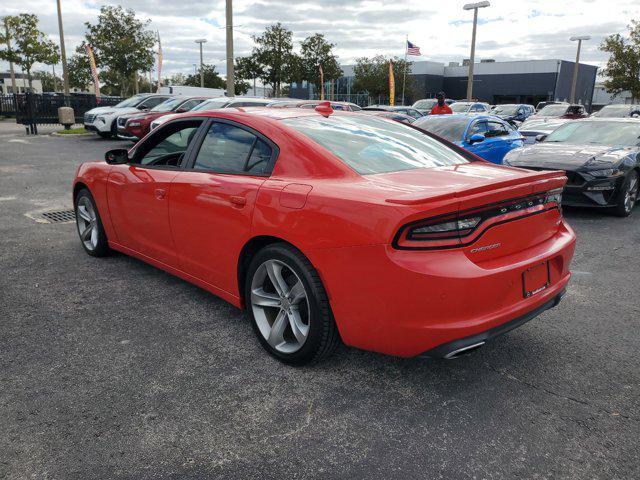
406	303
465	345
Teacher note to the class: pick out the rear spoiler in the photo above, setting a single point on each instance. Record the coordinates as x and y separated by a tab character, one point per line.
540	181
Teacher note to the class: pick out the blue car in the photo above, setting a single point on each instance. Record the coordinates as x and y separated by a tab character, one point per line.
487	136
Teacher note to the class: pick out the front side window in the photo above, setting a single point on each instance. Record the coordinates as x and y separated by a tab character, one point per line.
496	129
479	127
230	149
372	145
168	145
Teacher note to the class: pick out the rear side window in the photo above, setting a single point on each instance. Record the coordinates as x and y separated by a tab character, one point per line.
372	145
230	149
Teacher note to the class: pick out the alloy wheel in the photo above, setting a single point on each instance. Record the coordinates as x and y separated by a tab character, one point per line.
631	195
87	222
280	306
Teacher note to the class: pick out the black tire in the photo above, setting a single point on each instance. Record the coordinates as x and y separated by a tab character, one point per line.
323	335
105	134
624	208
101	247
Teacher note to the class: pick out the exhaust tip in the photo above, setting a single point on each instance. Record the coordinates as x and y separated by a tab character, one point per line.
463	351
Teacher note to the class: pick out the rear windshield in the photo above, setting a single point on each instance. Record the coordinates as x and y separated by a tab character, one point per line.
372	145
425	104
553	110
460	107
444	126
613	112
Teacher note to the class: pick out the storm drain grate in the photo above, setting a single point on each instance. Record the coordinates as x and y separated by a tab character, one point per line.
60	216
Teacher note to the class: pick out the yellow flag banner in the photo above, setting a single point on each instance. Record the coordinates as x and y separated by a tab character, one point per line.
94	72
392	85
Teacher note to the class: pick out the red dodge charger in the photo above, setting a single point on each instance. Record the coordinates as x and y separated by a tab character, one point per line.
334	226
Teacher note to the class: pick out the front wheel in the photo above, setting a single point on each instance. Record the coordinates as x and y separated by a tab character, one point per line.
90	229
628	195
288	306
105	134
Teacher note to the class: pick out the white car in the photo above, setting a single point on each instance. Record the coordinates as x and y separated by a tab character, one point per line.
470	107
102	120
218	102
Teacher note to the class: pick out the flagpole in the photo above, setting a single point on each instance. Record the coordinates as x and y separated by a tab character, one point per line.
404	75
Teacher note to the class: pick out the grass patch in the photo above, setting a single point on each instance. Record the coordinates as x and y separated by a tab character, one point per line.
72	131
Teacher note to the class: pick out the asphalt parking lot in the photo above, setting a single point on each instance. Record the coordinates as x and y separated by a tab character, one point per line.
110	368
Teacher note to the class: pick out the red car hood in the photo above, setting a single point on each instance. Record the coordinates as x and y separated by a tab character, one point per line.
411	187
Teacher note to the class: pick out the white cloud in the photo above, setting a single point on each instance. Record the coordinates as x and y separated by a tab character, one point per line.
508	30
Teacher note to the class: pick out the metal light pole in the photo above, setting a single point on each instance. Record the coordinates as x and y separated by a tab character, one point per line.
201	41
578	39
63	54
474	7
231	90
14	88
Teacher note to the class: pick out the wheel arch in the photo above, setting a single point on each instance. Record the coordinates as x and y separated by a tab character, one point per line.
250	248
79	185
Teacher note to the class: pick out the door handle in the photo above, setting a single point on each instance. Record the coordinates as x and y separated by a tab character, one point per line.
238	201
160	193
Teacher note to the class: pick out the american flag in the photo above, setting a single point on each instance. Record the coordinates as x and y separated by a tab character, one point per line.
413	49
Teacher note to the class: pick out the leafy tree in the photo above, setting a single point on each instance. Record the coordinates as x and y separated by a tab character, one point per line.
212	79
79	70
49	82
623	66
274	53
316	52
122	45
178	79
31	45
372	75
247	68
241	87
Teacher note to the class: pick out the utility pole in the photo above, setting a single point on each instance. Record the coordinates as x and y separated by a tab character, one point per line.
231	89
579	39
55	81
201	41
13	73
63	54
472	59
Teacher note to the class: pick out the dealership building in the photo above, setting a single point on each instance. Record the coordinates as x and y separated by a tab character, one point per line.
529	81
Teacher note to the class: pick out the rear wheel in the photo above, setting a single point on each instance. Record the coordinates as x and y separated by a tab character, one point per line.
288	306
92	235
628	195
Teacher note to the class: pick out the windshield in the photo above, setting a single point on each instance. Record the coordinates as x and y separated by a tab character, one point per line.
505	109
444	126
425	104
212	104
613	112
373	145
460	107
553	110
167	105
610	134
130	102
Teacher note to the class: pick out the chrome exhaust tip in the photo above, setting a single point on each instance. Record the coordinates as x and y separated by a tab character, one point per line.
463	351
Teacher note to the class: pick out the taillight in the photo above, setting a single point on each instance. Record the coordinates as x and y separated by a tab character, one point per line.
462	228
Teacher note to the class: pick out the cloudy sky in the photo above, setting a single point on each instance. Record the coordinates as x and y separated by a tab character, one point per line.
508	30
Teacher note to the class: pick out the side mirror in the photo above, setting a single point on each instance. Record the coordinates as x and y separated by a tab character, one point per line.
476	138
541	137
117	156
142	107
181	110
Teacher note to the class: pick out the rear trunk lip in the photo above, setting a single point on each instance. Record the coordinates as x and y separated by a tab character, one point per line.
413	199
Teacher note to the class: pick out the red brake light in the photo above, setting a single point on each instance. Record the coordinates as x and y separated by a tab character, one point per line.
462	228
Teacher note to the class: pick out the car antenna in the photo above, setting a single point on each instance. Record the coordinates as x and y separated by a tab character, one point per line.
324	109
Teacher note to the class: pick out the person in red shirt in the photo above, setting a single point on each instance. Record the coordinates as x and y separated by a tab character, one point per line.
441	108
